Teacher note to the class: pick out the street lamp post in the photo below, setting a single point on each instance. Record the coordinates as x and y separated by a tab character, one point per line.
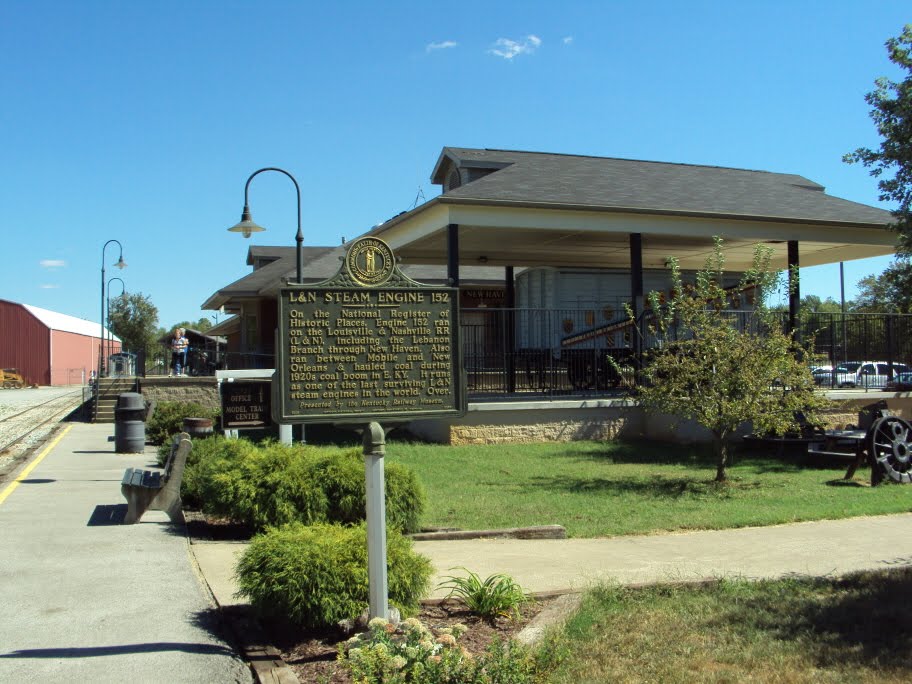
110	335
120	264
246	227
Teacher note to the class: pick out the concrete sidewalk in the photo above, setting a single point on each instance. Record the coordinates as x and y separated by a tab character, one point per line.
86	599
830	547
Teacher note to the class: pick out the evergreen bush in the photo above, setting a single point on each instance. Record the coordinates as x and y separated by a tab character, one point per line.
261	486
168	419
343	478
271	484
316	576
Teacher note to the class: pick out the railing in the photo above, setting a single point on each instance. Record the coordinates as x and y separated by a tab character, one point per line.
554	352
201	361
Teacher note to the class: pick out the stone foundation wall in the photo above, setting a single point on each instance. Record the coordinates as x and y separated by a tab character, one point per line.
560	430
606	419
203	391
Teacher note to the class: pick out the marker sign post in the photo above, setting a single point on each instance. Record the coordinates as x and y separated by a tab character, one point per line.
369	345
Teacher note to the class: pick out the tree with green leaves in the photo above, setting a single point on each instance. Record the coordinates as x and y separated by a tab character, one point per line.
891	291
720	369
133	318
891	164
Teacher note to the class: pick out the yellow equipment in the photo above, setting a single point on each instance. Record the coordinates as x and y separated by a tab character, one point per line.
12	379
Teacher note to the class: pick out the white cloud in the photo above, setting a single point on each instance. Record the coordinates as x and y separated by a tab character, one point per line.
52	263
49	287
568	40
508	49
442	45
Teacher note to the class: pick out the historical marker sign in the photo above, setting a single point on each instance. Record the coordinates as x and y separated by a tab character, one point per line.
370	344
246	404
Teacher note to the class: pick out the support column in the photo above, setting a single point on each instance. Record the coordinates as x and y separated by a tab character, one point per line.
285	433
373	441
794	290
453	254
636	273
510	328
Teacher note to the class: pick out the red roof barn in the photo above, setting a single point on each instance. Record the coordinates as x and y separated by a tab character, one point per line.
47	347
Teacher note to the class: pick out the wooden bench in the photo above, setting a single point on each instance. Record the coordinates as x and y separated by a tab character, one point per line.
157	490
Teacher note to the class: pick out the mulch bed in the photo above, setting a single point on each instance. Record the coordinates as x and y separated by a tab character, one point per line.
312	655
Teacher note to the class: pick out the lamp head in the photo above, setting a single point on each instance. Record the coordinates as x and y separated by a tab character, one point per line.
121	263
246	227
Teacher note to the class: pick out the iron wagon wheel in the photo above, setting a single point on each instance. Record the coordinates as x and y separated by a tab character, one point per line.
890	445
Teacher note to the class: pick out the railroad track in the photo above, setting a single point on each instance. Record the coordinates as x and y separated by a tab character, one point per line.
19	427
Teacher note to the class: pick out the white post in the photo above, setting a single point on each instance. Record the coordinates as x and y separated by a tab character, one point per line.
374	444
285	434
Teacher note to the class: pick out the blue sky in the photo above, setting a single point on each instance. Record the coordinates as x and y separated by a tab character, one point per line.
140	121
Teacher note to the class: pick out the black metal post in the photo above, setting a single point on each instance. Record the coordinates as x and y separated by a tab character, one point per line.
121	264
299	237
794	290
453	254
107	327
636	293
510	328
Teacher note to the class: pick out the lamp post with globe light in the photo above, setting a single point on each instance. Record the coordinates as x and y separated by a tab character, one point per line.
120	264
110	333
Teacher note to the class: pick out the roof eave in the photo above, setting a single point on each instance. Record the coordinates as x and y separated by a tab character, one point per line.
557	206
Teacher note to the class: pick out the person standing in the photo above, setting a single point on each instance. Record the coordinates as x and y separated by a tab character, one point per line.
179	346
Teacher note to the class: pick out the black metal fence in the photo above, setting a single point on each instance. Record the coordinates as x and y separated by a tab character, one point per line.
553	352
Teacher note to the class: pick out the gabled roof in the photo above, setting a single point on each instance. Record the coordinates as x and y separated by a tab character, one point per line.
575	181
66	323
322	263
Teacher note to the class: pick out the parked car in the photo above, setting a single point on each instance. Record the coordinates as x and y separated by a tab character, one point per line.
844	374
901	382
867	374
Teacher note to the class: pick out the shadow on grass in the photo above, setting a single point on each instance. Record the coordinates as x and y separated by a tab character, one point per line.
656	488
865	622
703	456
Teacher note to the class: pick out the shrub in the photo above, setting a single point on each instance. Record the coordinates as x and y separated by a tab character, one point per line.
498	595
261	486
271	484
317	576
343	478
168	419
411	653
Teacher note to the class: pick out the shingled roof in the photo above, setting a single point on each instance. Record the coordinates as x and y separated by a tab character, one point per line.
322	263
576	181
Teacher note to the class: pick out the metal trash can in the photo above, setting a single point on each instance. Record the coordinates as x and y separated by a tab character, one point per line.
129	424
198	427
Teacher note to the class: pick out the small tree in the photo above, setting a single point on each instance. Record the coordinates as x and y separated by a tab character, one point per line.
721	370
133	318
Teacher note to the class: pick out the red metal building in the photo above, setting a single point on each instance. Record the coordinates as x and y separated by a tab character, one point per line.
49	348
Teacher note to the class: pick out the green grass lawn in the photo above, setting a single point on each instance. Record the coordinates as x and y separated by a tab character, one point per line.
856	629
599	489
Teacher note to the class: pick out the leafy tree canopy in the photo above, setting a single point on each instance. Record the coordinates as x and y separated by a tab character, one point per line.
202	325
133	318
891	291
720	369
891	163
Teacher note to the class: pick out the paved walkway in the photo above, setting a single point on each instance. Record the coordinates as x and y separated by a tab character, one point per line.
88	599
830	547
85	599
